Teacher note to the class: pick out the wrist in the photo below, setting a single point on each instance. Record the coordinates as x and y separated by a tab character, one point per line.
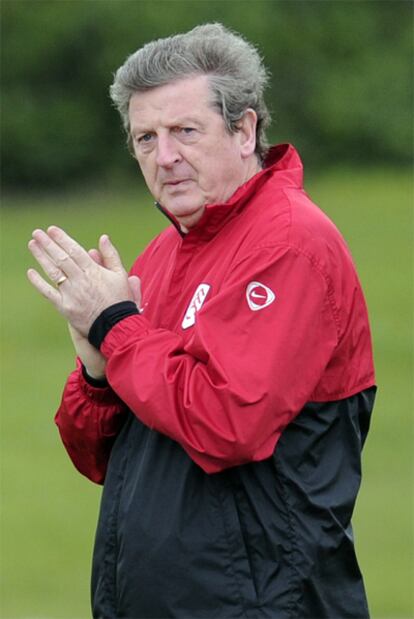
93	380
108	318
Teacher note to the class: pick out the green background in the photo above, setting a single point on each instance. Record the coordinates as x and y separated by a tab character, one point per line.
351	122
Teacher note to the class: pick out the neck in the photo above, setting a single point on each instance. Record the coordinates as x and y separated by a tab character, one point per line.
254	166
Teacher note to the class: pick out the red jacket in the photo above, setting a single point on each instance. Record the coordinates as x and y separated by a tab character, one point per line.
252	360
253	313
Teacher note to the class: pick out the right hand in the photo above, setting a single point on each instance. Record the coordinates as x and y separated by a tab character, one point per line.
84	287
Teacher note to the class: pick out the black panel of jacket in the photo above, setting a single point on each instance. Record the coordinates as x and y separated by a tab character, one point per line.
271	539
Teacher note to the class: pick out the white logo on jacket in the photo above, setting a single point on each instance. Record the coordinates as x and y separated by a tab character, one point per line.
195	305
259	296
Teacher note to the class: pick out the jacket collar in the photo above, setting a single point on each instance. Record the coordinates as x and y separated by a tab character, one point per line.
282	165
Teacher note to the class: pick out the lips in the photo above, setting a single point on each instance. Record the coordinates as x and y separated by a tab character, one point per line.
177	182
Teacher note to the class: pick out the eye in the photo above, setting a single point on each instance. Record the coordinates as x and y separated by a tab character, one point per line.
184	131
188	132
145	138
144	142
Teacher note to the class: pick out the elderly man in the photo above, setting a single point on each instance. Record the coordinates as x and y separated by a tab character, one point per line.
224	387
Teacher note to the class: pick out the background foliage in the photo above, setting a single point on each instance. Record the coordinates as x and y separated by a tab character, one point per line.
341	92
341	86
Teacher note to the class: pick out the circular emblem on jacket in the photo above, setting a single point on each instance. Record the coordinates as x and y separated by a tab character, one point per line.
259	296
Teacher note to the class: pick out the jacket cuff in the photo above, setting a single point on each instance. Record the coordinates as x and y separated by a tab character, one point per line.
101	396
129	331
107	319
99	383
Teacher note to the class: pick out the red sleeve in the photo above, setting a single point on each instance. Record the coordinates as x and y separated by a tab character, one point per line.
89	419
227	393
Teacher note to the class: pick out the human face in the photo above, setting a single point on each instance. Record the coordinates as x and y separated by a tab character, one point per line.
187	156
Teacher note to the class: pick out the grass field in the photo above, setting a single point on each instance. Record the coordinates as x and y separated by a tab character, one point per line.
49	510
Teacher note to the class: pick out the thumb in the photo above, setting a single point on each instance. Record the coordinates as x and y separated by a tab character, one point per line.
135	287
110	257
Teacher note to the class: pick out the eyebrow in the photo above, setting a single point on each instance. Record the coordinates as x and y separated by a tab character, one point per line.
180	121
186	120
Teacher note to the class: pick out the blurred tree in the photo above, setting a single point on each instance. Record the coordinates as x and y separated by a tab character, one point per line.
341	78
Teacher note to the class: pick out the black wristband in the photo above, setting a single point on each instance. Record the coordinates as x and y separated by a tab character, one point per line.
100	383
109	317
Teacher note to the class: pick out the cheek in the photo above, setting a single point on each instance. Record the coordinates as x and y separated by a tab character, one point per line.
220	170
148	171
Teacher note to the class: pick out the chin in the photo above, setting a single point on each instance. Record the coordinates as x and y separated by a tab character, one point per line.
188	217
183	208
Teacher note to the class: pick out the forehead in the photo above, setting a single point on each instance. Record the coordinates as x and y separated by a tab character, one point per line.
186	98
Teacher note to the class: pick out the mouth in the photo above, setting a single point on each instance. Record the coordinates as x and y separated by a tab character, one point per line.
176	182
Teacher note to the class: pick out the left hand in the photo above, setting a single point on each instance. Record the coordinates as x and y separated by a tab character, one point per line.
89	287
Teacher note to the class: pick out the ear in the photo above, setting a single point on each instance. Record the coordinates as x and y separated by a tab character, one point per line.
247	133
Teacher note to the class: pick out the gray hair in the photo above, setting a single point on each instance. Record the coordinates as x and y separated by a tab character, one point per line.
236	73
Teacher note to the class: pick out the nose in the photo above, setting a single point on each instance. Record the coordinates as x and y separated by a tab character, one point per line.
167	151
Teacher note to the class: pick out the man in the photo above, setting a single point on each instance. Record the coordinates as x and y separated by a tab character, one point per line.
223	389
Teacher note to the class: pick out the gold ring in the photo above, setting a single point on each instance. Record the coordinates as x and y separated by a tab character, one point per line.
61	279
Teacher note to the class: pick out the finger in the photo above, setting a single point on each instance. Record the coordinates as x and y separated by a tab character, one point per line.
53	272
72	248
135	288
45	289
111	258
96	256
60	257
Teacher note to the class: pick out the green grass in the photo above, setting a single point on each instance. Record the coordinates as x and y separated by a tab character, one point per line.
50	511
